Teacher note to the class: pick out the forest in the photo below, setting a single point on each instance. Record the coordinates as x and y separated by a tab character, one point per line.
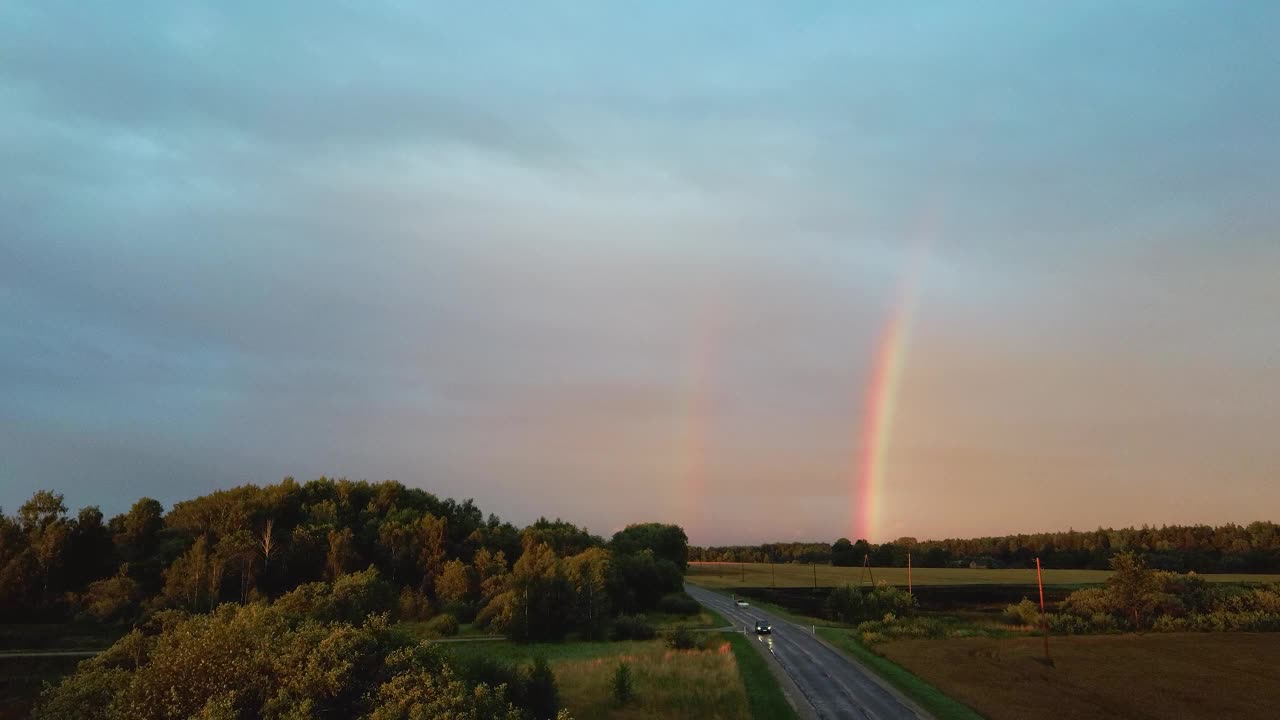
1252	548
416	557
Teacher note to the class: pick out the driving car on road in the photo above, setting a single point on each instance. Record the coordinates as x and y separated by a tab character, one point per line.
742	603
763	628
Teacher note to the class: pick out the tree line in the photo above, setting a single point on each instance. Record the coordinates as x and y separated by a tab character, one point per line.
401	550
1252	548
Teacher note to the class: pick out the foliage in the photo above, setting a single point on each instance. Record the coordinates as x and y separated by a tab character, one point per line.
633	627
1025	613
680	638
111	599
679	604
256	661
539	693
664	542
622	685
350	598
850	603
1201	548
443	625
1137	597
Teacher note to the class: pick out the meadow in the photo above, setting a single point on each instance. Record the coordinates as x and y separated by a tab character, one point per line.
784	575
699	683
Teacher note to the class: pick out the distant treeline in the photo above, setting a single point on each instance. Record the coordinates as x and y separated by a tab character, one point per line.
1252	548
418	556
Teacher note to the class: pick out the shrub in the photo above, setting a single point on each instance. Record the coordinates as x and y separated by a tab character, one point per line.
1025	613
442	625
680	638
539	694
413	605
853	604
622	689
633	627
679	604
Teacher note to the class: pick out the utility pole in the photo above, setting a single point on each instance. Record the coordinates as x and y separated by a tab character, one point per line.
815	575
1044	617
773	575
743	568
908	573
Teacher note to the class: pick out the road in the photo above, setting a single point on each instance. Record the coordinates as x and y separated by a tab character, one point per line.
834	685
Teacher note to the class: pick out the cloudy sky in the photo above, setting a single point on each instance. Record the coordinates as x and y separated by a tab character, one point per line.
631	262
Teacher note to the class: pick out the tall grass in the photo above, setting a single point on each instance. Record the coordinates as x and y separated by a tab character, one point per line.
665	684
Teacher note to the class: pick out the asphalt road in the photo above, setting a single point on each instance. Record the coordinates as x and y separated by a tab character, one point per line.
834	685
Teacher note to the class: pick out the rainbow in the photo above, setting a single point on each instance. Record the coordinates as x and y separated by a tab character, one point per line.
881	402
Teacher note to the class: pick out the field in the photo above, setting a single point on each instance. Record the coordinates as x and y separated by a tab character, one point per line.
783	575
668	683
1219	675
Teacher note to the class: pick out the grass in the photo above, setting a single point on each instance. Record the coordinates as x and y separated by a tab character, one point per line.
18	637
667	683
727	575
1218	675
22	679
935	701
764	696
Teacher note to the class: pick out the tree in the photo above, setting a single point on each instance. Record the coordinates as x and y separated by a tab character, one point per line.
666	542
453	585
238	553
431	535
43	508
491	573
189	579
341	557
50	541
1133	587
588	576
842	554
142	525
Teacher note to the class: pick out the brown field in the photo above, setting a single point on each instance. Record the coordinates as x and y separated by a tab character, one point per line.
1221	675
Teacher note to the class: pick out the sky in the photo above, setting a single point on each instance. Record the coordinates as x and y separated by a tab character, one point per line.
633	262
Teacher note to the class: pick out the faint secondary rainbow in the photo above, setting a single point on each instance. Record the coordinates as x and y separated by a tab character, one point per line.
881	403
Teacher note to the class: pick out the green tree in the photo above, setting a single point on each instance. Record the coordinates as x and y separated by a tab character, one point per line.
453	585
666	542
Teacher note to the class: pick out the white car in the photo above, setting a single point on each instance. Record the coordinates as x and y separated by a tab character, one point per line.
742	603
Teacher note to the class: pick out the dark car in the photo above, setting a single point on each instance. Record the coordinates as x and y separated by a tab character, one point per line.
762	627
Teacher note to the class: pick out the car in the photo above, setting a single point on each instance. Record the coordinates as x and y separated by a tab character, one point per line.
742	603
763	628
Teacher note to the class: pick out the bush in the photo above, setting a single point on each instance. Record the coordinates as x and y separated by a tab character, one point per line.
679	604
1025	613
622	690
413	605
539	694
633	627
853	604
442	625
680	638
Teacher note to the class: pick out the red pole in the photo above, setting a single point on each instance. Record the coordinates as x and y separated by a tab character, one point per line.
1044	616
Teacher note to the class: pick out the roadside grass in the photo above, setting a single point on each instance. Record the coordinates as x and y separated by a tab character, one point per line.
786	575
764	695
933	700
700	683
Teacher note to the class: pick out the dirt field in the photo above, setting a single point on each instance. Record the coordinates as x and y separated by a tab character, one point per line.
1223	675
792	575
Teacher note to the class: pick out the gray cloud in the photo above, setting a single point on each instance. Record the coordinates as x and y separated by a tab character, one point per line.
537	257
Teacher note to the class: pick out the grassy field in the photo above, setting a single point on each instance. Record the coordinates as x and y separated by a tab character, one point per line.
18	637
1218	675
667	683
725	575
21	680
